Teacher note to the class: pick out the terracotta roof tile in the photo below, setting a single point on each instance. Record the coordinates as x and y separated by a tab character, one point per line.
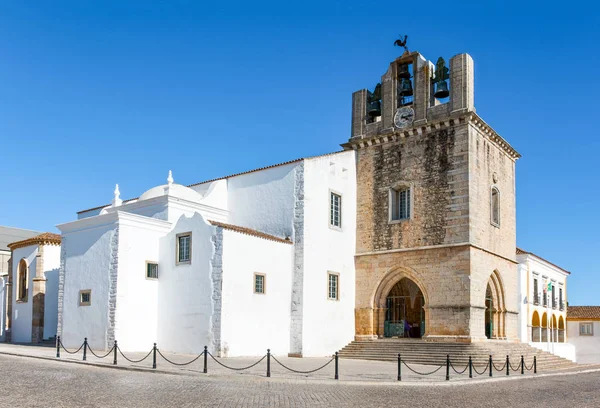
248	231
583	312
46	238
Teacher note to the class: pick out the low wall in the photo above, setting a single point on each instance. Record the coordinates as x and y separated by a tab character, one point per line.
564	350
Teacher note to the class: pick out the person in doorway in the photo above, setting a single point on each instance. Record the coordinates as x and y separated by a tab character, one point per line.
407	328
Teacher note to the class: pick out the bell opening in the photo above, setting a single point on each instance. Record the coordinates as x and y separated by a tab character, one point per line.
441	90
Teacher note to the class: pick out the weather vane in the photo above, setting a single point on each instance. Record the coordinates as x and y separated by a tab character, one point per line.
400	42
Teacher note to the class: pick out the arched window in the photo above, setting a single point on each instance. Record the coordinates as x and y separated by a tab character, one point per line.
22	281
495	207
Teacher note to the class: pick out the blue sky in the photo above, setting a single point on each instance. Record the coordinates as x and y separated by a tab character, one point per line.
98	93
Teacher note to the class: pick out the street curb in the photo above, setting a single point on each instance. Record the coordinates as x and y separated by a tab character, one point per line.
213	377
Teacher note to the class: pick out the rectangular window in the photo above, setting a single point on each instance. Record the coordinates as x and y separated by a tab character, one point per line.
151	270
184	248
333	291
536	300
586	329
399	204
259	283
85	297
335	213
560	299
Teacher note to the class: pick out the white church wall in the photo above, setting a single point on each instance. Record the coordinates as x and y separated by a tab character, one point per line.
23	311
524	325
88	250
3	296
263	200
51	271
587	347
137	297
185	302
328	325
215	193
252	322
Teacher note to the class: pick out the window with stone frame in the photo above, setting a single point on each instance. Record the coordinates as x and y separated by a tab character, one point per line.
151	270
184	248
335	210
22	288
400	203
495	206
260	281
85	297
586	329
333	286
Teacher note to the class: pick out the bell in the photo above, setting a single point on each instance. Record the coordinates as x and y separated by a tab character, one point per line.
374	109
406	88
441	90
403	71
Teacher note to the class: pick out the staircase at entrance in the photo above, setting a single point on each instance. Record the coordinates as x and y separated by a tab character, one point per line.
430	353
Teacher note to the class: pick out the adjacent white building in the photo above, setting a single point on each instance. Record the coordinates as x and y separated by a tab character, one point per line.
583	329
542	302
257	260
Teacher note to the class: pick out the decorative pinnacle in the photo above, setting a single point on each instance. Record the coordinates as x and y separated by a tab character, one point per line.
170	178
117	200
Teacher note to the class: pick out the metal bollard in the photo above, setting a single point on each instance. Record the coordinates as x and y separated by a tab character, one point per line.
205	360
154	356
399	367
268	362
336	377
115	353
522	365
534	365
507	365
491	365
84	349
470	367
447	367
58	347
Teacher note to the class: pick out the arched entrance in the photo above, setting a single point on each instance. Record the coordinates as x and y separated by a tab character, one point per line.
536	334
544	327
554	328
404	314
495	309
561	330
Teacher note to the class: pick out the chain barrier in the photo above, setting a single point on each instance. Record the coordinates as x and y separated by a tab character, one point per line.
134	361
484	371
179	364
303	372
418	373
529	368
97	356
456	371
234	368
71	352
502	369
517	369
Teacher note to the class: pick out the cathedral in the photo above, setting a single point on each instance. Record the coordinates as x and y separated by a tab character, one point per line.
409	231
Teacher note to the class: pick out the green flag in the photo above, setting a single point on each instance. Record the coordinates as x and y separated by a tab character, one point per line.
549	287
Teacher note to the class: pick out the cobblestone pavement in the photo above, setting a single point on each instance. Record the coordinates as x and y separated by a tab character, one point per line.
33	382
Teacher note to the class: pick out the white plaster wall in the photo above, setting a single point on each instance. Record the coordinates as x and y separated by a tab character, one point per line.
214	193
3	281
185	291
137	297
328	325
587	347
251	322
51	272
523	303
87	266
22	312
263	200
564	350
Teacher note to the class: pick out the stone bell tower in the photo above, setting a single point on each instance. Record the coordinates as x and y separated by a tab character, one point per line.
436	231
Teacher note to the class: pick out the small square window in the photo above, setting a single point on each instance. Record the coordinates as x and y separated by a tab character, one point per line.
586	329
184	248
333	290
335	210
399	204
85	297
259	283
151	270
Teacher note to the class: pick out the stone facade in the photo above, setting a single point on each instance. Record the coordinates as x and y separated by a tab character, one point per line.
450	159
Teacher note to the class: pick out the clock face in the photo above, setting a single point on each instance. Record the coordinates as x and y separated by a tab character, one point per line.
404	117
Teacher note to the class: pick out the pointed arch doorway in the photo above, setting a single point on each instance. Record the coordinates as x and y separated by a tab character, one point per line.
405	314
495	309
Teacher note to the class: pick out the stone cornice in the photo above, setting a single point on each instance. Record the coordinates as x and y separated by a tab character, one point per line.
393	135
